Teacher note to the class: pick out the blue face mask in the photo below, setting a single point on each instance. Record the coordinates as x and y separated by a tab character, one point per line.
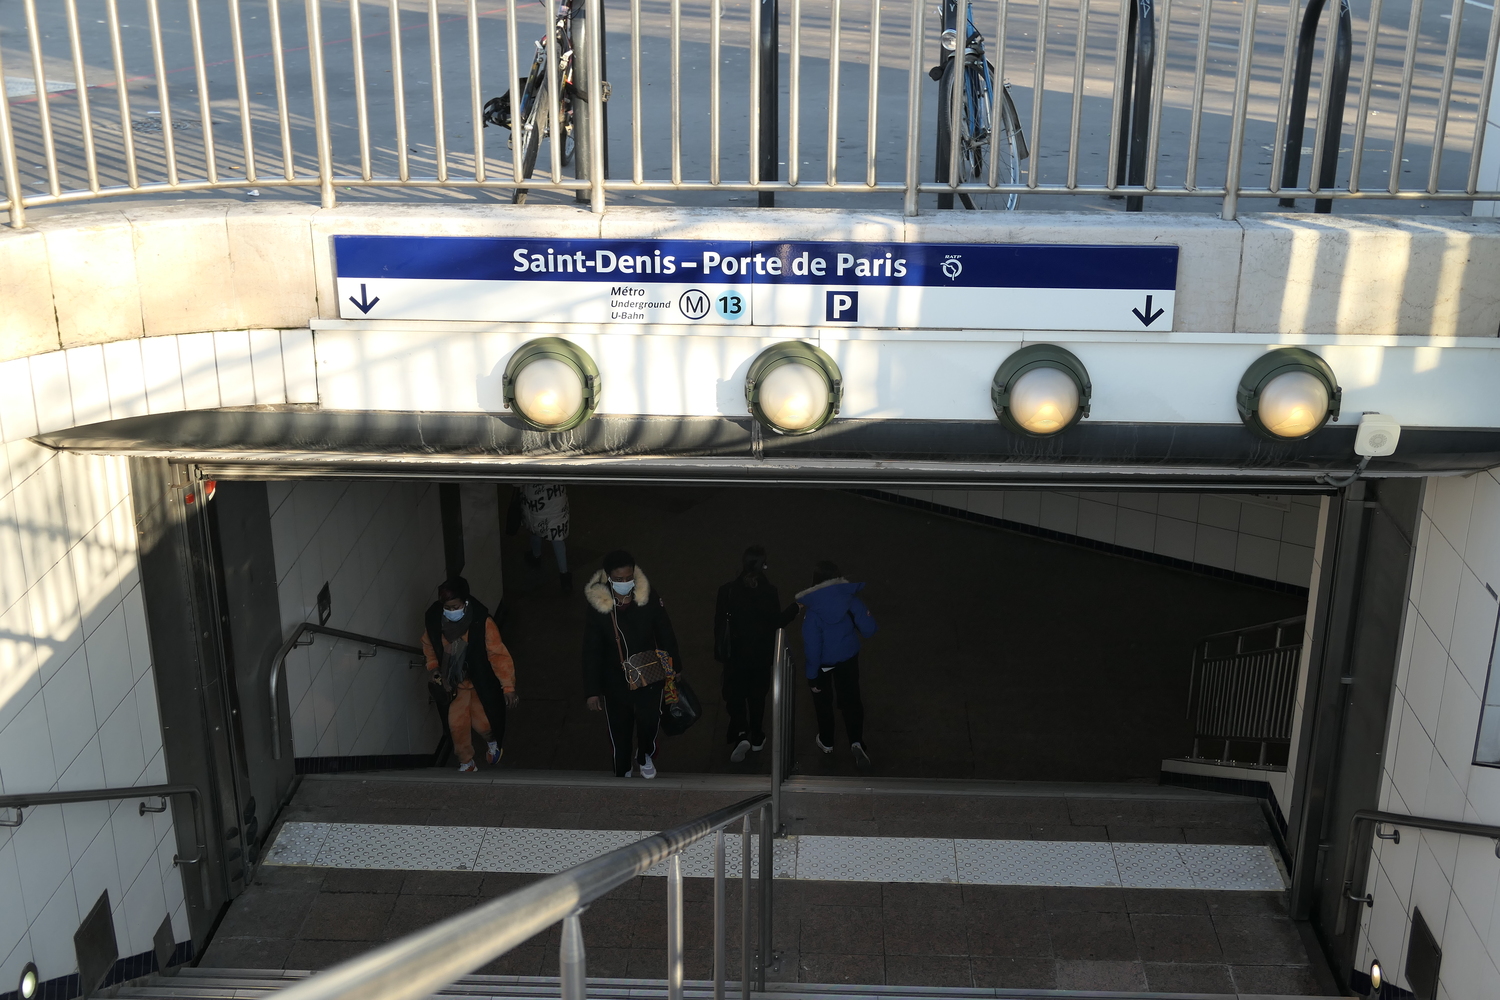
622	588
454	616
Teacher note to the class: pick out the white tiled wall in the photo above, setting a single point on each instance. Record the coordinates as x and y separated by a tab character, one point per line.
129	378
379	547
1445	654
78	706
1267	537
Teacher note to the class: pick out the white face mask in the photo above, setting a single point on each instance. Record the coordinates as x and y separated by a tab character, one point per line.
453	615
622	588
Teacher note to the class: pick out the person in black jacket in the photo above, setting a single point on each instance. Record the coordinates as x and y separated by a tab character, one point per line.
629	617
746	617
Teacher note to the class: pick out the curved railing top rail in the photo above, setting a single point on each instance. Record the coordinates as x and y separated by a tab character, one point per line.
293	641
415	966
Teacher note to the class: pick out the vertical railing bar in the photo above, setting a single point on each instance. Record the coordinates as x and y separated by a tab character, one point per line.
1440	132
746	951
476	88
1080	59
242	87
1118	111
278	62
435	61
872	113
1283	103
997	91
637	153
1486	83
755	109
960	84
1200	75
835	16
320	100
794	98
398	93
1039	87
205	105
1403	108
554	118
594	12
43	110
1158	93
513	83
778	721
572	961
122	88
1325	96
914	107
361	95
11	168
158	58
85	119
674	911
1241	104
677	91
1362	116
720	949
767	837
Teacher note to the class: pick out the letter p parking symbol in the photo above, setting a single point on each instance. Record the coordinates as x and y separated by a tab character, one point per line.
841	307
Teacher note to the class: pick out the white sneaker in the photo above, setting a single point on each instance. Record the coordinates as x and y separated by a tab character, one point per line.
741	749
648	769
819	741
861	759
466	766
759	746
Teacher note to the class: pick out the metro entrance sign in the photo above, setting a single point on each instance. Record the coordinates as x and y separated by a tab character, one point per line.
973	286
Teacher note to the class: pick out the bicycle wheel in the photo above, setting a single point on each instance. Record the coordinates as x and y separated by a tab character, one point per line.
943	172
528	134
973	130
1010	147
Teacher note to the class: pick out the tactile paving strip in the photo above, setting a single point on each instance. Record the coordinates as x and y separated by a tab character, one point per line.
839	859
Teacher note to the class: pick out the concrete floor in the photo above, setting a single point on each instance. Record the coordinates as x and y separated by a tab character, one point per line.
1000	656
826	932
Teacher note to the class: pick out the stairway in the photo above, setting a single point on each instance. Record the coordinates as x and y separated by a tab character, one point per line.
251	984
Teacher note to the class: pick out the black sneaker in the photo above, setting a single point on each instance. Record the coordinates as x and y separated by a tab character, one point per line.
861	758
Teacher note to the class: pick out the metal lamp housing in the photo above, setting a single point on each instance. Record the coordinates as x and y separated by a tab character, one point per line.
1029	359
794	352
557	350
1271	366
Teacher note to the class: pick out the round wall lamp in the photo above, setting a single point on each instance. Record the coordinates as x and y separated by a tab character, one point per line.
1377	976
794	388
1288	393
30	981
1040	390
552	384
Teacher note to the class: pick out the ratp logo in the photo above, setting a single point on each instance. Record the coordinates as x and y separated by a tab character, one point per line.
952	268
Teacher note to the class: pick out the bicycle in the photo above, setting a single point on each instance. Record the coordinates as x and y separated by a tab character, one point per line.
532	124
974	116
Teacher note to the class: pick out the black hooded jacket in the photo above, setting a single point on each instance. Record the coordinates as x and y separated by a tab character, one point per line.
643	625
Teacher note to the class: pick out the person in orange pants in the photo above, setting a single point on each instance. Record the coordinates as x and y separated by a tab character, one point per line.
474	667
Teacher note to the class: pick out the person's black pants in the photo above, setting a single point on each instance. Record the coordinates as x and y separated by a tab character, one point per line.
839	685
634	719
745	688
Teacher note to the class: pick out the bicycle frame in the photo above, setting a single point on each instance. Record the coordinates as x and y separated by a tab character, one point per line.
974	61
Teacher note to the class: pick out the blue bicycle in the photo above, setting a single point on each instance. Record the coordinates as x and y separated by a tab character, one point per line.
974	115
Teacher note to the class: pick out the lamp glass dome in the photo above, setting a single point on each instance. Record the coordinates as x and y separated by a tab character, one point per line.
1293	404
1044	400
794	396
1377	975
29	982
548	391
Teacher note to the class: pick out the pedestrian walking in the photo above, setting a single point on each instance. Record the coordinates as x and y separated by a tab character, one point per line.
746	616
628	647
468	661
836	620
544	508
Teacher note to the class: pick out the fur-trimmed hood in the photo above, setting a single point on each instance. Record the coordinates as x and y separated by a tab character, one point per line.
602	598
819	586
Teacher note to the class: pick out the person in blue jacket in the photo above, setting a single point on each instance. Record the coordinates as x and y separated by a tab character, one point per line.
836	619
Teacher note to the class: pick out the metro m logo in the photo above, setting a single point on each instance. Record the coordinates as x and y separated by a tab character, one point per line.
841	307
694	303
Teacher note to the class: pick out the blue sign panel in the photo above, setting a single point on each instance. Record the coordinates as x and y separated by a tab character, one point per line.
800	284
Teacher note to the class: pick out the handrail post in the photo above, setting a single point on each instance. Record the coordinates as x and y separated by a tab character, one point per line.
320	101
720	956
1135	100
1307	38
8	164
745	949
571	960
1333	111
767	834
594	59
768	105
674	927
1237	117
915	76
778	724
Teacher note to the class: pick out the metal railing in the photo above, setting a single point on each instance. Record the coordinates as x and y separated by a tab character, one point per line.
1396	821
296	639
1243	692
25	800
419	964
1195	99
783	723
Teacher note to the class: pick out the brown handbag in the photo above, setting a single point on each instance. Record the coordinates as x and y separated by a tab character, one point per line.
649	667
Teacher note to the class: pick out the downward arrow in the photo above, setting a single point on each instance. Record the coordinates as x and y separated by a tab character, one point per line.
1147	318
364	303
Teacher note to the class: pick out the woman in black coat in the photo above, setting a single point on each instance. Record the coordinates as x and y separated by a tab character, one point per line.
746	617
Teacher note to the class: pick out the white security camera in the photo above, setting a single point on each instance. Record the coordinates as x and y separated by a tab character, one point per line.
1377	435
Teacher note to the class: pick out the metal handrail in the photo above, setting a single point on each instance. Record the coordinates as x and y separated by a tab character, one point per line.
23	800
415	966
278	665
1397	820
